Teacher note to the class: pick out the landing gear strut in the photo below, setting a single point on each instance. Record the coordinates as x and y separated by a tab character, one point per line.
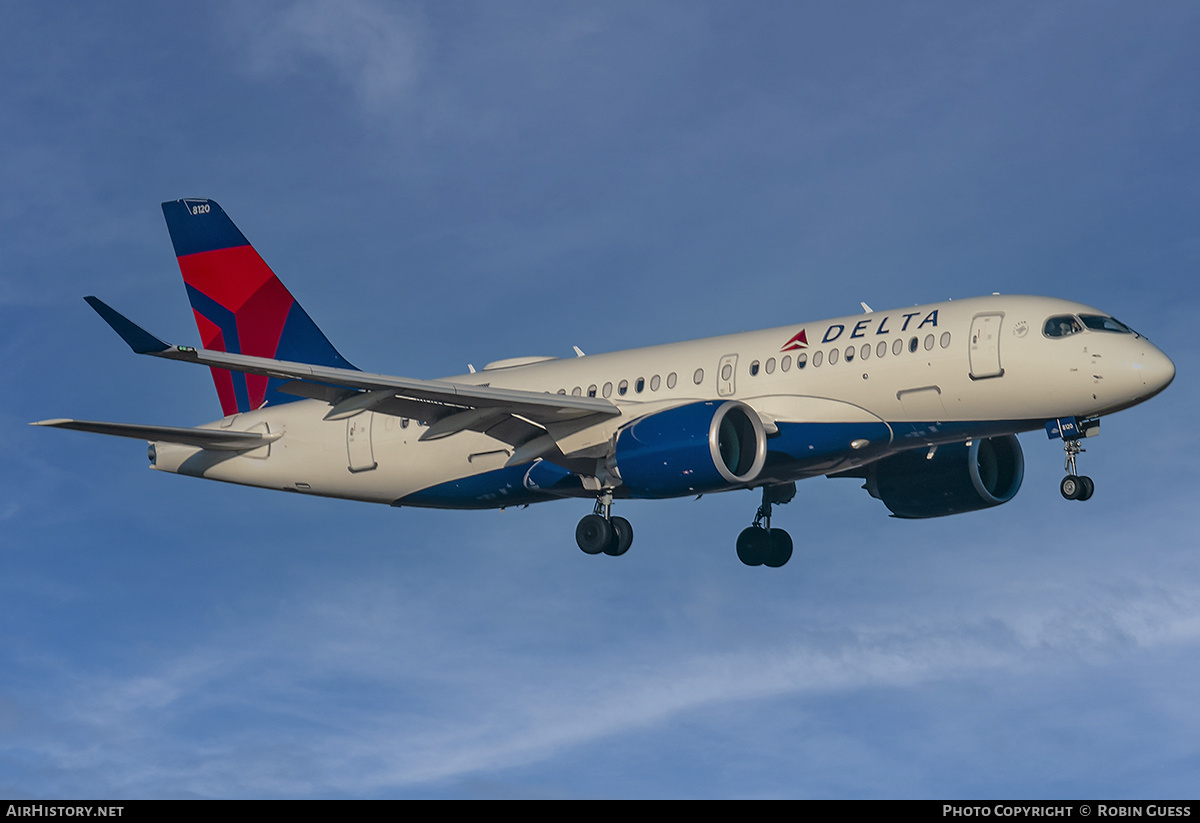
601	532
760	545
1072	430
1074	487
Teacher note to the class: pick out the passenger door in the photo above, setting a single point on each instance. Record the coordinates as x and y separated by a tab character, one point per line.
359	452
985	346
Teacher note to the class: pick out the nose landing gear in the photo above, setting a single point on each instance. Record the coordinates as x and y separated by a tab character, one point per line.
1072	430
760	545
601	532
1074	487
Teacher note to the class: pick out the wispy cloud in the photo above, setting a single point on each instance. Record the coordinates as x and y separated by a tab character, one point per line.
417	708
375	50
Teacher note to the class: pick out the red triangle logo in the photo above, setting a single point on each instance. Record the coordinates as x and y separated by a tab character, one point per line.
799	341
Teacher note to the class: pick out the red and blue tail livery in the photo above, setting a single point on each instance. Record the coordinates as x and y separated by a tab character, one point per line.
241	307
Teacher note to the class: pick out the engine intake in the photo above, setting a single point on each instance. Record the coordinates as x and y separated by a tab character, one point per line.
691	449
958	478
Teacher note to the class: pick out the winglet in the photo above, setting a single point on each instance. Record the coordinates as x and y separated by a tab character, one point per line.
140	340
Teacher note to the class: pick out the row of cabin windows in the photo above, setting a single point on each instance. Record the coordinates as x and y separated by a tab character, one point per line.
850	352
654	383
784	364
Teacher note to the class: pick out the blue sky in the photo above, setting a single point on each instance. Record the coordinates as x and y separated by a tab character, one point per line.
444	183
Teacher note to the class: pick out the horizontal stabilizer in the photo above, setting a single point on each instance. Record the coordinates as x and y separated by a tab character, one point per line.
214	439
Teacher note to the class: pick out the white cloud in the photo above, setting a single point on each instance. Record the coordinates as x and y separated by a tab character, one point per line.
373	49
418	705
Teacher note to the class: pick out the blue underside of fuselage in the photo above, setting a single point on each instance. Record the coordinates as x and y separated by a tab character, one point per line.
798	451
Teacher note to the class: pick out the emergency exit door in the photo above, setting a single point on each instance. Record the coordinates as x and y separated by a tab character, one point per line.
727	375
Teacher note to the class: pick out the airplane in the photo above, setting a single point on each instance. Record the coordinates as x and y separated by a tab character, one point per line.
923	404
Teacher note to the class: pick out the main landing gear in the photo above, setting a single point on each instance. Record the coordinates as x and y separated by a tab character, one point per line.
601	532
1074	487
760	545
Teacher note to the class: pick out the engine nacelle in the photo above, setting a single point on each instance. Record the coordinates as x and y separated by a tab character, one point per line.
958	478
691	449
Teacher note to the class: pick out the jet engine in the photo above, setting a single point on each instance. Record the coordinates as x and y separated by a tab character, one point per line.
955	478
695	448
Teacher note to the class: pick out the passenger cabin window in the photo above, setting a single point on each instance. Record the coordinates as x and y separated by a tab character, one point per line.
1062	325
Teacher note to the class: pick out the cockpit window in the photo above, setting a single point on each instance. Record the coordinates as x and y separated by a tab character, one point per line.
1062	325
1097	322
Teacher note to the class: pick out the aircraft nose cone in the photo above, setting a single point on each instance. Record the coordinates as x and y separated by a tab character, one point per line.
1155	368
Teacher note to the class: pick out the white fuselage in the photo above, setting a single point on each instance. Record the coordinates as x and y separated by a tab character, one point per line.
929	374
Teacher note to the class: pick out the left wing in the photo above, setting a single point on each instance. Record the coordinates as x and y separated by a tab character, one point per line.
511	415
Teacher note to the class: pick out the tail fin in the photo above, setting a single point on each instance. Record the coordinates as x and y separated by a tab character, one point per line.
240	305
